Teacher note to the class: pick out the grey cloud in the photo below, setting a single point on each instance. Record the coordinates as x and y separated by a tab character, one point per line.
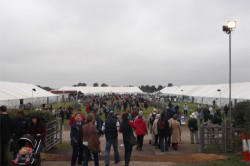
63	42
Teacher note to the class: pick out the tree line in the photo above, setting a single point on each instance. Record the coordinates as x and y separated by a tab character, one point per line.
144	88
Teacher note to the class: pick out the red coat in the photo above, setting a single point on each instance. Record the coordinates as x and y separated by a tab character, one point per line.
72	120
140	127
88	108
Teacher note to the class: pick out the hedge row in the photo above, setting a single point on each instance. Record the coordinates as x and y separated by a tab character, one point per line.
44	116
241	115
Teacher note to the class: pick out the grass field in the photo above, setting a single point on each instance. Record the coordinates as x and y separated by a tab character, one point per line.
191	106
234	160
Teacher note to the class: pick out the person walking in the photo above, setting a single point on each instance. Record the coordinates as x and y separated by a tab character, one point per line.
226	109
76	136
126	130
193	127
140	130
155	131
6	125
61	112
150	122
206	113
201	116
38	131
89	130
73	118
110	128
185	108
163	132
176	132
21	124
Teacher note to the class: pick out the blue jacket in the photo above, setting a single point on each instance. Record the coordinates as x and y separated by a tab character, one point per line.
74	132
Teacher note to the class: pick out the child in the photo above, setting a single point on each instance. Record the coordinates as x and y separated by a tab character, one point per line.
26	150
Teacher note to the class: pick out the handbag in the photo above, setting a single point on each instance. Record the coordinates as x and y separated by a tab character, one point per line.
93	143
132	139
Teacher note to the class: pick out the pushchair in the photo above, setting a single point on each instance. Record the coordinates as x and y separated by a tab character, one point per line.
33	160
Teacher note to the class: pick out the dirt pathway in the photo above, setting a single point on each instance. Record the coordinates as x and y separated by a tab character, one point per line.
187	153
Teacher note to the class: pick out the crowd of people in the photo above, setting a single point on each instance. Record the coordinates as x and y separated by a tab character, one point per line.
124	114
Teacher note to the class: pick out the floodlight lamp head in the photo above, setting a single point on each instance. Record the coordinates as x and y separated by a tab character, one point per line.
231	24
226	29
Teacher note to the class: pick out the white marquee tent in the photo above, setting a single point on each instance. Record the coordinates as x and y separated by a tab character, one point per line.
12	94
103	90
205	94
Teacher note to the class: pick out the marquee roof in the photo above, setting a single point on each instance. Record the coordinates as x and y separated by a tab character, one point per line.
239	90
12	91
99	90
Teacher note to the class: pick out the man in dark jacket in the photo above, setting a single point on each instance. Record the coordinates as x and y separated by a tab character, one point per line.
110	128
76	135
6	125
163	132
226	109
167	112
192	125
206	113
20	128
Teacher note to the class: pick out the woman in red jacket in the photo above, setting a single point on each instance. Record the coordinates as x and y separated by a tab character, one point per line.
140	130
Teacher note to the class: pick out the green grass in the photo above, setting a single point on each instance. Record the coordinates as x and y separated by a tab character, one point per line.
62	146
234	160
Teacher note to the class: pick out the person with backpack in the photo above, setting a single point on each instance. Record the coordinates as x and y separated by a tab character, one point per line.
155	131
150	122
217	117
110	128
163	132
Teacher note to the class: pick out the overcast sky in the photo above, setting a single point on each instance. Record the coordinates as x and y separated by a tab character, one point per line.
123	42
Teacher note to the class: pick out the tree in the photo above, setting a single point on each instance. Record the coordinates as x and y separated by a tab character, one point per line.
240	115
95	85
45	88
104	85
170	84
80	84
160	87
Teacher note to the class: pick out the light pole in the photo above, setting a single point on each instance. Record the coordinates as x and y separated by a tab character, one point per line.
228	29
220	95
32	94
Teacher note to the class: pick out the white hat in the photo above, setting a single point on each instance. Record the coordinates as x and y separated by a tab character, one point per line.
155	110
193	115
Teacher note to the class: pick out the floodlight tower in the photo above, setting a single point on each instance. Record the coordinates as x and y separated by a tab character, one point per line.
228	29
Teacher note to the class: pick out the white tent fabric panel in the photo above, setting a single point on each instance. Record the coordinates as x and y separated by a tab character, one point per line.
239	91
11	93
103	90
11	90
